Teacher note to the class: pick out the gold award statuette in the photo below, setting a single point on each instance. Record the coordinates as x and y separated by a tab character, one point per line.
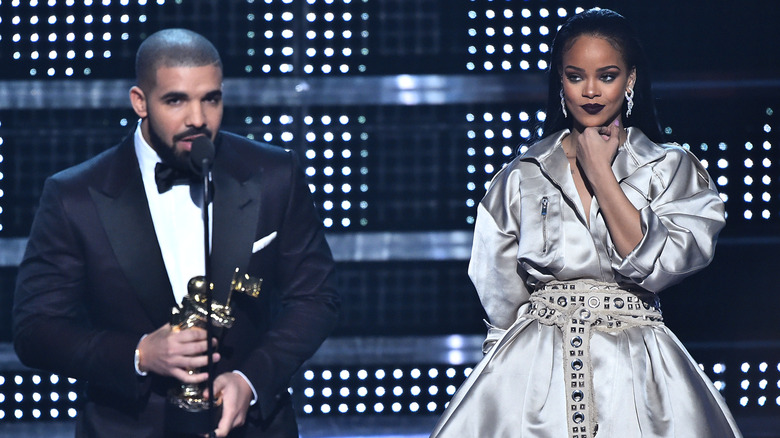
187	410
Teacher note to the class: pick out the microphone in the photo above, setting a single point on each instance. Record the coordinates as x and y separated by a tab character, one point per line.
201	155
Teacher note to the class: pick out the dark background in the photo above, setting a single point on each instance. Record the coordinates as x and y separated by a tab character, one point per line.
716	77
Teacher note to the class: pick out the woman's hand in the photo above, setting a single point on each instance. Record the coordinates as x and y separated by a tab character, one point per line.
596	148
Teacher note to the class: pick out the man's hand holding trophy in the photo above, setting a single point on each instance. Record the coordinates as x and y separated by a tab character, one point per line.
188	408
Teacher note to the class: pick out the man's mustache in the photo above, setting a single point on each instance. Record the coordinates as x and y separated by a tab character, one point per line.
192	133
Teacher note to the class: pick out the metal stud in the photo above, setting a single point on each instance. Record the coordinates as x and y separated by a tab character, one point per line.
576	342
577	396
576	365
619	303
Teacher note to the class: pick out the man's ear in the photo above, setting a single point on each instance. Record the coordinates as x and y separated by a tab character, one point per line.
138	100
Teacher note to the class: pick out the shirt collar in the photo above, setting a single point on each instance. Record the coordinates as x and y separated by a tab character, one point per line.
147	156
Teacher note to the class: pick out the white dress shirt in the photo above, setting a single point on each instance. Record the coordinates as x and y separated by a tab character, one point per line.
178	223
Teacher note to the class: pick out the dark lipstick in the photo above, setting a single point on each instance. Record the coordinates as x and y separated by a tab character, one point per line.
592	108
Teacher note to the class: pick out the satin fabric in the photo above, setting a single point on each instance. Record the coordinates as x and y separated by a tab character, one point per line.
530	230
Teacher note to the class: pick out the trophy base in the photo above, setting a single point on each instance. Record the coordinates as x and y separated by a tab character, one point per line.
190	420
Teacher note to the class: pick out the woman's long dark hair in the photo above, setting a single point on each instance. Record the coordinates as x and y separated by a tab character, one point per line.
614	28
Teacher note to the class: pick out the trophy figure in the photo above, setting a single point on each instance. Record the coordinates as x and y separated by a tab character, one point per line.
188	410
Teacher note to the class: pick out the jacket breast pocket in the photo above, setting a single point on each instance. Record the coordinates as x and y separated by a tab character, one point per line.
540	237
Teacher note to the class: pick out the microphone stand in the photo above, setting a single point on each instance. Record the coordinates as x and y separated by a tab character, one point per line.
206	172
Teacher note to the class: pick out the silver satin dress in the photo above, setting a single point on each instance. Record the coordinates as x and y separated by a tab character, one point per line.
645	383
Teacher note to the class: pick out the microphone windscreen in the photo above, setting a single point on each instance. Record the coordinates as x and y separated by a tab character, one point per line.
202	149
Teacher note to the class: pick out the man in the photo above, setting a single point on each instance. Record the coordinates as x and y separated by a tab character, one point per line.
111	251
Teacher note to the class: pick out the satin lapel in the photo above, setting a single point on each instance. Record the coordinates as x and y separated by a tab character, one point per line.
125	215
549	154
236	212
637	152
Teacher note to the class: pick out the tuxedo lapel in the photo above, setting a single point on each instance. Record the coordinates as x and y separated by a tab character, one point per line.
124	212
236	211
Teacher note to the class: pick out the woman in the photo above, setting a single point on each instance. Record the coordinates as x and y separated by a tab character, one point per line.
572	243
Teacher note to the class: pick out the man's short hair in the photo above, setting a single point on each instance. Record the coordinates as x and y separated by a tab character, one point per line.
172	48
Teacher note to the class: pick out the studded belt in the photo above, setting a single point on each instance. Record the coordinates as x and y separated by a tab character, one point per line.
577	308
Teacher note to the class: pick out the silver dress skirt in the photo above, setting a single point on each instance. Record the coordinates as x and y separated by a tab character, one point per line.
587	359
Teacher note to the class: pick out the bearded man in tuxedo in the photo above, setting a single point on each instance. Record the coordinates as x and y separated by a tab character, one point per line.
114	243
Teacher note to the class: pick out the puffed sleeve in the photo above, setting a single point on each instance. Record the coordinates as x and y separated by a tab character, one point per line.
494	266
680	223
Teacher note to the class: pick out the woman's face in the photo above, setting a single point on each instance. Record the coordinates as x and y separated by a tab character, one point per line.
594	78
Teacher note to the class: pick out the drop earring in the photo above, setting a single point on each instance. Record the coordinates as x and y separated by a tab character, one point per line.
563	104
629	101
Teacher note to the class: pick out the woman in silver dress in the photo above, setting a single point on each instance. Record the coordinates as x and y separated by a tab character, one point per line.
573	241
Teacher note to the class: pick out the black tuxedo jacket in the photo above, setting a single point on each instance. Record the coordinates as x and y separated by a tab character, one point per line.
92	282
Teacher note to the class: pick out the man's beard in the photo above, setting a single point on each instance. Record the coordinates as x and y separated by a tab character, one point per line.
178	159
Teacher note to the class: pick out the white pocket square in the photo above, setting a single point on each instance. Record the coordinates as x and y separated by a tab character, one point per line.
262	243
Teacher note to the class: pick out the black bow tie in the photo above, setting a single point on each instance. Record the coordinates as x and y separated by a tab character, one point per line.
166	177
